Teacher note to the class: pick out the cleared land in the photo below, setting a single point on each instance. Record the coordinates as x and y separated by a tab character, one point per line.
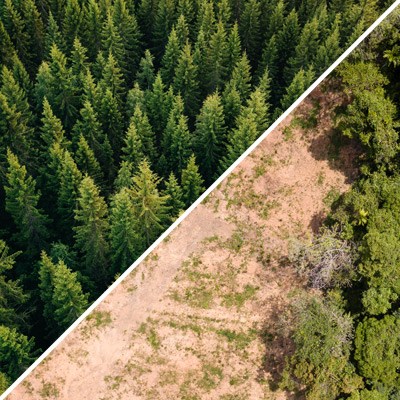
198	319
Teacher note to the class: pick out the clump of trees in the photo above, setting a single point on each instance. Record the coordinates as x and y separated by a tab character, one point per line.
347	338
116	115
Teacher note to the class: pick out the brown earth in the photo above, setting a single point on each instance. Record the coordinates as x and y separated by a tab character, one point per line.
198	319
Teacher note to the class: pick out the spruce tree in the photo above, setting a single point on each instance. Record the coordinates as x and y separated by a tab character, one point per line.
241	77
124	177
146	74
185	81
135	97
233	49
22	203
232	104
7	49
240	139
250	29
46	286
53	37
156	105
180	149
133	151
328	52
87	162
164	20
149	205
174	200
112	78
68	300
217	58
145	132
94	28
12	295
170	58
182	31
125	243
72	21
192	182
209	136
112	42
258	105
91	232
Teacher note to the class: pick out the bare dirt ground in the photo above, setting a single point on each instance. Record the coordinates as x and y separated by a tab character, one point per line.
198	319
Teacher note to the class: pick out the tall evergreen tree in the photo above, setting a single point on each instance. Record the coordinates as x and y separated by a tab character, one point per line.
209	136
149	205
124	177
125	244
174	194
133	152
250	29
72	22
91	232
170	59
146	74
180	145
192	183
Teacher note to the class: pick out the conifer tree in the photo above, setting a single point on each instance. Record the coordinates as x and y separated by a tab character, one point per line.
125	244
124	177
156	106
112	42
94	29
276	19
12	295
72	21
70	180
53	36
200	60
7	49
187	8
146	74
149	205
68	300
164	20
233	49
112	78
79	65
192	183
250	29
224	13
185	81
232	104
16	352
170	58
174	200
180	145
145	132
241	78
22	203
206	19
91	232
269	59
87	162
133	151
46	286
217	58
22	78
328	52
182	31
209	136
258	105
240	139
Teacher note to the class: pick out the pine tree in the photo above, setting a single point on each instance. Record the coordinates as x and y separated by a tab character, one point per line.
209	136
174	197
224	13
182	31
232	104
112	78
155	104
192	183
94	28
299	84
133	150
206	19
125	244
124	177
250	29
164	20
70	180
16	352
87	162
258	105
112	42
241	78
7	49
145	132
305	51
129	33
233	50
68	300
46	286
79	67
187	8
200	60
22	77
146	74
91	232
276	19
135	97
170	59
22	203
12	295
53	36
269	59
185	81
62	94
72	22
180	145
240	139
149	205
217	57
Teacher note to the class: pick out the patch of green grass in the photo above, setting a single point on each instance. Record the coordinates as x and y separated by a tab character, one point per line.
240	339
154	339
168	377
48	390
99	318
238	299
114	382
212	375
287	133
199	296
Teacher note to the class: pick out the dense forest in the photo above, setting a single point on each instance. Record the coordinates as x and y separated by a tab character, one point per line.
115	115
348	339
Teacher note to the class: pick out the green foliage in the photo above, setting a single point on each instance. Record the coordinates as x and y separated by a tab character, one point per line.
192	183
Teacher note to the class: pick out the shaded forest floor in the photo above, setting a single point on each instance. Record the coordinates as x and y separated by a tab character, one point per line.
198	319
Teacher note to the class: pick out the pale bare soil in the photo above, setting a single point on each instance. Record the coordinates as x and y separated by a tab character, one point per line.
199	319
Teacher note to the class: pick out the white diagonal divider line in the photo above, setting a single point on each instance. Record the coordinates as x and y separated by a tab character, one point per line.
200	199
